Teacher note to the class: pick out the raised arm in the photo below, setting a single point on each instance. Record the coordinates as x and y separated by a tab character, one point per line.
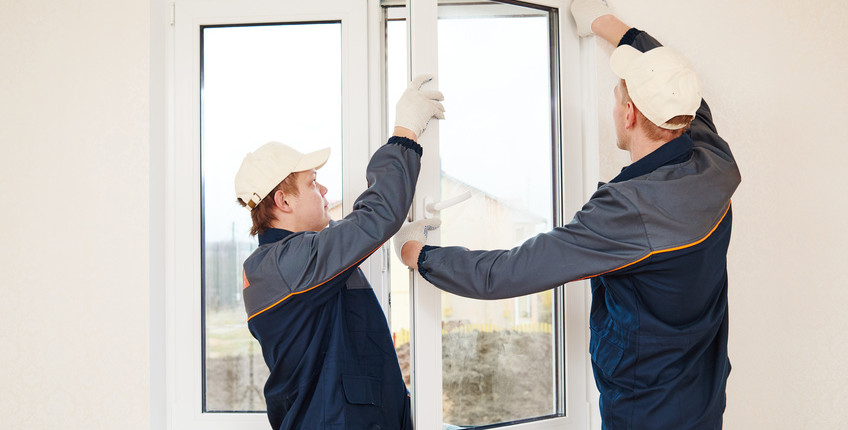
594	17
600	239
379	211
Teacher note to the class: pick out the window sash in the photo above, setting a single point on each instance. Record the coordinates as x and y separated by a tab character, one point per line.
184	355
365	127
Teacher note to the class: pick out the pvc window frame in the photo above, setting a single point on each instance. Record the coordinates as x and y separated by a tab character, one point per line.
572	302
176	401
182	236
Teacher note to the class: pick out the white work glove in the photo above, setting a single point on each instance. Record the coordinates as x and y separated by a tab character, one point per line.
414	231
585	12
416	106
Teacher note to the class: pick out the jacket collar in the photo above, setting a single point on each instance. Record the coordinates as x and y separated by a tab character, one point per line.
672	152
272	235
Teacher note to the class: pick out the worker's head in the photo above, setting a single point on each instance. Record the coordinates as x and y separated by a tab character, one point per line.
657	96
279	186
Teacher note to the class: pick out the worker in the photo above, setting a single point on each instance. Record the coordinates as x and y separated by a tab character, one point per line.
653	241
322	331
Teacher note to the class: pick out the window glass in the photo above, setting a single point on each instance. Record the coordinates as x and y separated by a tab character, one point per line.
260	83
498	146
495	68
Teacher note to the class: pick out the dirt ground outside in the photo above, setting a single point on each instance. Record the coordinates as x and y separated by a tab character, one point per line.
488	377
493	377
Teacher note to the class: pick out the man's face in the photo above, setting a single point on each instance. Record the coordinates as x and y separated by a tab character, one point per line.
310	207
619	112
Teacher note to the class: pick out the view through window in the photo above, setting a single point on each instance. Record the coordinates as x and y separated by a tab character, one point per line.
495	68
260	83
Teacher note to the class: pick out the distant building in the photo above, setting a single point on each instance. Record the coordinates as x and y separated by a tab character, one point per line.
482	222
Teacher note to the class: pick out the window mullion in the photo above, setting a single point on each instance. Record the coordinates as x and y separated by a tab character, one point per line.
426	343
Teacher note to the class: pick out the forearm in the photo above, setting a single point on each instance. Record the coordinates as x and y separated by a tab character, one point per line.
384	204
377	214
596	241
541	263
405	132
487	275
610	28
410	252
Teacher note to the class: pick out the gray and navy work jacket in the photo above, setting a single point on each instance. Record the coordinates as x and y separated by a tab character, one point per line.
654	243
323	333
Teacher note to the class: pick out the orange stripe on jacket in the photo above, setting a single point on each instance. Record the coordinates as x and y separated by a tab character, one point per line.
677	248
312	288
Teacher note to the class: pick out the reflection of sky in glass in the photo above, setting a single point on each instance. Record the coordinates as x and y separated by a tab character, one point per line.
264	83
494	73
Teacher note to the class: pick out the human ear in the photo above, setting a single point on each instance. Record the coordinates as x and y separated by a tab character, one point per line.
280	201
629	115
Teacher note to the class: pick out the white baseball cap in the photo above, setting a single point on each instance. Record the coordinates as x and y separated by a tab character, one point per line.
660	82
262	170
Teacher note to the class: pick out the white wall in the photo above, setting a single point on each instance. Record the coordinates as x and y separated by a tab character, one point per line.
774	73
74	103
74	129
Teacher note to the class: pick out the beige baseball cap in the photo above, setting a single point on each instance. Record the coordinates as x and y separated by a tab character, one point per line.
660	82
262	170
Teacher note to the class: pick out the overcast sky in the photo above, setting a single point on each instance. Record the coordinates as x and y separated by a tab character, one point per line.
283	83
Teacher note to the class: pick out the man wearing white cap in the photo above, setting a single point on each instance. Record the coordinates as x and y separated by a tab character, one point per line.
322	330
653	241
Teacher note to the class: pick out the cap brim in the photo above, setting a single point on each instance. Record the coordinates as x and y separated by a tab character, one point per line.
621	59
313	160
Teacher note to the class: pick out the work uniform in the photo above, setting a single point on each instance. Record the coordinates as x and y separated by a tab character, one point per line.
323	333
654	242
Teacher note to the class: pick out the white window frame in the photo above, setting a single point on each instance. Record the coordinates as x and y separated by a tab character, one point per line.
184	364
426	299
176	368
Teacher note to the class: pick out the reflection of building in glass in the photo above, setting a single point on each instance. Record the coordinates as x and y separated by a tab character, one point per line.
486	344
488	222
484	221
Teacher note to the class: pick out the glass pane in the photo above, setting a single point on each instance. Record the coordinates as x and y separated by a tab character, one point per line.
260	83
494	65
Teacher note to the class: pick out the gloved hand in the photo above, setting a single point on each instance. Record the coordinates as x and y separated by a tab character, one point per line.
585	12
414	231
416	106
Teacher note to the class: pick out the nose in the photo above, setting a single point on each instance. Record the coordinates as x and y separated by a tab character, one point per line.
323	189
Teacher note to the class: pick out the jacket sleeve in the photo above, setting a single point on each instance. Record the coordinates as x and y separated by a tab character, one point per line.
307	260
703	130
604	236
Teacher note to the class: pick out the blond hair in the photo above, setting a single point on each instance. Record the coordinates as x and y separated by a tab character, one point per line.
653	131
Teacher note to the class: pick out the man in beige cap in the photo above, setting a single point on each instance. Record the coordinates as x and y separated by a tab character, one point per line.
321	328
653	241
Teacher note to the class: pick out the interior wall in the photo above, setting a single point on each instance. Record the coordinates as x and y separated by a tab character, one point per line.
75	137
774	76
74	132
